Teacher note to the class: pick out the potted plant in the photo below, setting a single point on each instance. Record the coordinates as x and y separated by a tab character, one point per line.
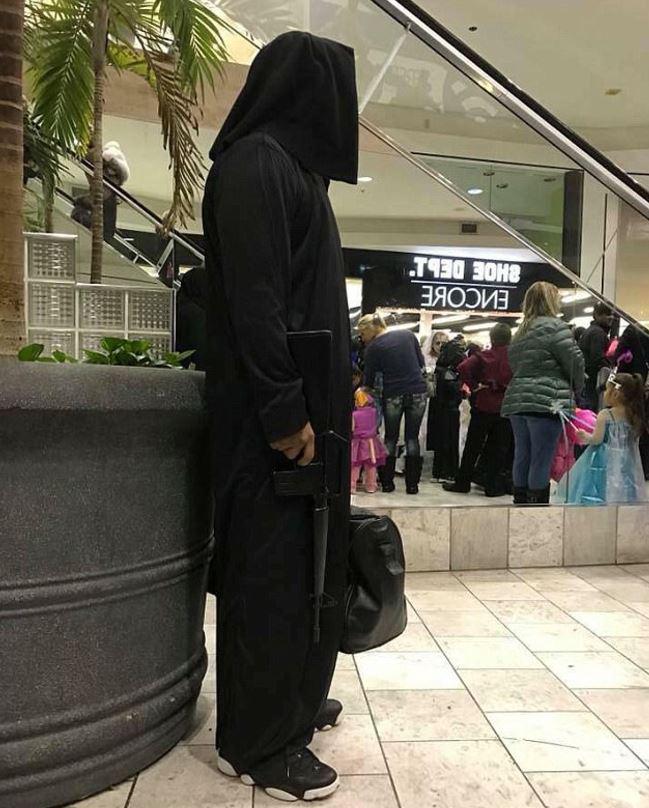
105	537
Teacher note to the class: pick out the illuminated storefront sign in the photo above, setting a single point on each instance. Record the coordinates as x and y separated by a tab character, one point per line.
445	283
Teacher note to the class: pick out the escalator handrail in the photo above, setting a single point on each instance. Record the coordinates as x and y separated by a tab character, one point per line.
135	204
528	109
134	250
491	216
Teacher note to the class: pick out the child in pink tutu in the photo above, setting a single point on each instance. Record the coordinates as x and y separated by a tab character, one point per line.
368	452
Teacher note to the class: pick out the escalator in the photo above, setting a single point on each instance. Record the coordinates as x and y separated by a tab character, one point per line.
487	150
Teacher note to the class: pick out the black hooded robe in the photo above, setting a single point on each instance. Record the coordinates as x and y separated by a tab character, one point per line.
275	265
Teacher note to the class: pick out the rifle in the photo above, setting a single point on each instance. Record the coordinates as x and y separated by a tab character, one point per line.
323	478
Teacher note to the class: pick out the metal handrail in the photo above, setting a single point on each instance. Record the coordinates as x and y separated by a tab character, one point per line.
492	217
138	255
517	101
145	212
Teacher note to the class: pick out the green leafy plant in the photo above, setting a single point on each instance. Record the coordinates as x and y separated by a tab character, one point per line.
176	46
113	351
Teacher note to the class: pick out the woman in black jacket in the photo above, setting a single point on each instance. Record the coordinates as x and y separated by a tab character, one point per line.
444	411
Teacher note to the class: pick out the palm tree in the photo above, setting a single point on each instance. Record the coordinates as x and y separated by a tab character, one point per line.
174	45
11	164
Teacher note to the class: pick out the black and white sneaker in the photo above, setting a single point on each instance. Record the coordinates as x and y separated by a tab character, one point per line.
329	716
289	777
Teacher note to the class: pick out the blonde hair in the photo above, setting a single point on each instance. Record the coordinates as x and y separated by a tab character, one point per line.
541	300
374	321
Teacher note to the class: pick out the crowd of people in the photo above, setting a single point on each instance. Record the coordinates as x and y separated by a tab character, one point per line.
542	398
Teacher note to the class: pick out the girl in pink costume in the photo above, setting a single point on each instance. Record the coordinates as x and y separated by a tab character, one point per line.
368	452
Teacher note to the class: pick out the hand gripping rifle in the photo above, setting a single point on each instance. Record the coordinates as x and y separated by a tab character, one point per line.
323	478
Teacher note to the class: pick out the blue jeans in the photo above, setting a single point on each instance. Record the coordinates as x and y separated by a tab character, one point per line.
413	407
535	441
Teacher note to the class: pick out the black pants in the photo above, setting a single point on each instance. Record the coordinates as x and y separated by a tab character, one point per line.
271	678
489	438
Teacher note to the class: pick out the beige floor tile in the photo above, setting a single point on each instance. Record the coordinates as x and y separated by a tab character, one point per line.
531	574
209	682
487	652
519	690
626	712
352	747
373	791
413	617
511	590
464	624
559	637
531	611
407	672
641	748
594	669
570	583
599	572
210	611
346	687
416	638
614	624
345	662
626	592
187	777
640	606
204	727
487	576
634	648
641	570
593	789
428	715
445	601
562	742
112	798
457	774
432	581
585	602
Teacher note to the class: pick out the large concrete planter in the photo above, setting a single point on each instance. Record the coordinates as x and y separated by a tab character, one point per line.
105	538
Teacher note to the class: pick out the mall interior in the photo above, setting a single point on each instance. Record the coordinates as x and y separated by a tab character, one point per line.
502	143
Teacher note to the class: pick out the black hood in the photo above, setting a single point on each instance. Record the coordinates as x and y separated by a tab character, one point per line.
301	90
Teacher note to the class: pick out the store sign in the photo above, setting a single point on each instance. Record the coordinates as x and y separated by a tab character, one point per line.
464	283
445	283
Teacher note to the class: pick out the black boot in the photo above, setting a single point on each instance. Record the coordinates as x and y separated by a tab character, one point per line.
413	474
520	496
539	496
457	487
386	475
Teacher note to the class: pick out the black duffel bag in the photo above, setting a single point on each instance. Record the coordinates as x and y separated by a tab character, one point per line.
375	610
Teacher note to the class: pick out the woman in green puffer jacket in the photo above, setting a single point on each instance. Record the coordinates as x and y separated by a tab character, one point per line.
548	368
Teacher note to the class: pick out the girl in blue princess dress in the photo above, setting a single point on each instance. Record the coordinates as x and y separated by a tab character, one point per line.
610	469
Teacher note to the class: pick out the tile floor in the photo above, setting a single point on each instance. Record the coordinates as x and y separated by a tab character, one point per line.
509	688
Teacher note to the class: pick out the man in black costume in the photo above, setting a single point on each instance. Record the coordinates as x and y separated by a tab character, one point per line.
275	266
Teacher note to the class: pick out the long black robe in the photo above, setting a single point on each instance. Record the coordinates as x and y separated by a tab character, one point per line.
275	265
